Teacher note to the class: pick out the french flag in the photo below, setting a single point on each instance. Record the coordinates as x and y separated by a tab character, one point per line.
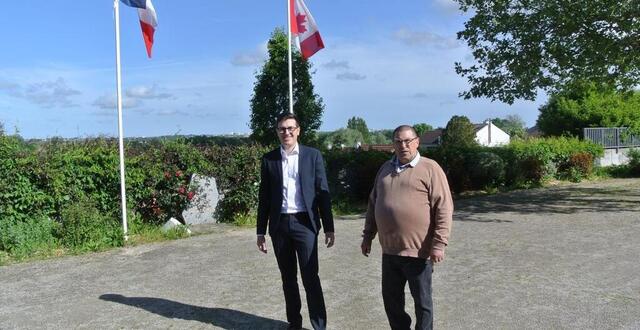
148	20
304	26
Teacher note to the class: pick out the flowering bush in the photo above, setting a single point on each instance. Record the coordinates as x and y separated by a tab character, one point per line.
158	177
169	198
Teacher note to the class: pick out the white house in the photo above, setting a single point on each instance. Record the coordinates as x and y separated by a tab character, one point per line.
487	134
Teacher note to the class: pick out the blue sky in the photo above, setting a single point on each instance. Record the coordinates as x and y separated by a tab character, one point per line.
389	62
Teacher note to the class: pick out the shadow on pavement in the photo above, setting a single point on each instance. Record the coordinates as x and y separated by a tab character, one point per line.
561	200
220	317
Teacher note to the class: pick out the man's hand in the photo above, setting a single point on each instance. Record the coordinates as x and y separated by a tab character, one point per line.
437	255
329	239
365	247
262	244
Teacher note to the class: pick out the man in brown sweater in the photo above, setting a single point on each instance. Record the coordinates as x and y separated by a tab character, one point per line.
410	208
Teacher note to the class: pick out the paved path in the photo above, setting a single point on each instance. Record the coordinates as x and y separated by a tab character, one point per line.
559	258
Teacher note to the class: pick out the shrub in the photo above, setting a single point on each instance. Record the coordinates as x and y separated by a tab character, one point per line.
168	197
20	196
85	228
26	238
521	163
634	161
531	170
61	192
542	158
578	167
486	169
351	175
453	161
237	173
47	178
71	171
470	167
160	174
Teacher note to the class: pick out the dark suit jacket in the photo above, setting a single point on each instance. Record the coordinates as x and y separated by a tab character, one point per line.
313	182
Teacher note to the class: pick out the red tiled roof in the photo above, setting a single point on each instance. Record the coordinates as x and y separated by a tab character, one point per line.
431	137
378	147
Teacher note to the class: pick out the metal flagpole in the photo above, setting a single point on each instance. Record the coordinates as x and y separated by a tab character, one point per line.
289	8
123	201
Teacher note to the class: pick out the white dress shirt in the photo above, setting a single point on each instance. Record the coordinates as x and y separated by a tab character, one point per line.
401	167
292	201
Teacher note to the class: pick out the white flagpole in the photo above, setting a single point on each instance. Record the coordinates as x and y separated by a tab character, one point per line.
123	197
289	53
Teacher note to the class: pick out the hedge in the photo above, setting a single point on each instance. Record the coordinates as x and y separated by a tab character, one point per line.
67	193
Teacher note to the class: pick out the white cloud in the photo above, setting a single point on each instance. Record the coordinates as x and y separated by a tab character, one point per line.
415	38
333	64
109	102
401	86
447	6
350	76
145	92
251	58
420	95
448	102
162	112
247	59
220	90
132	99
47	94
170	112
8	86
50	93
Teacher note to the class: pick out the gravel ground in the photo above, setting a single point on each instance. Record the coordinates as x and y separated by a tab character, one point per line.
557	258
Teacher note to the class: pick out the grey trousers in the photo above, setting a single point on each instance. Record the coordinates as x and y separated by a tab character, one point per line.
396	272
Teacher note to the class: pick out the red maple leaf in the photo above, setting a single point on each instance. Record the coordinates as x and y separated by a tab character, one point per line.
300	20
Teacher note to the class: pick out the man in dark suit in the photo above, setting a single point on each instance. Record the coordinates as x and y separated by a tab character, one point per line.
294	203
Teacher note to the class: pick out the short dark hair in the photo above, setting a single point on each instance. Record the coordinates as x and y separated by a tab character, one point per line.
286	116
403	128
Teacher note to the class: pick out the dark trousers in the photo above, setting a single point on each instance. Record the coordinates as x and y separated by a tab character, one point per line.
295	237
396	272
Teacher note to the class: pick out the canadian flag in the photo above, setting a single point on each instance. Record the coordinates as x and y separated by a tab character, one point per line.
304	26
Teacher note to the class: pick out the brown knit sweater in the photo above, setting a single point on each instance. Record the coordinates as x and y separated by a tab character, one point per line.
411	211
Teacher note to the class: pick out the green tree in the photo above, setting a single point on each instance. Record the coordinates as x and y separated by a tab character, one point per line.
271	94
459	132
523	46
322	138
360	125
347	137
388	133
511	124
583	105
421	128
380	137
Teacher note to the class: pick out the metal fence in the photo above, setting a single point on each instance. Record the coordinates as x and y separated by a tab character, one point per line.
617	137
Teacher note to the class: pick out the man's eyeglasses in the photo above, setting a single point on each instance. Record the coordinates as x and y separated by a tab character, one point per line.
289	129
405	142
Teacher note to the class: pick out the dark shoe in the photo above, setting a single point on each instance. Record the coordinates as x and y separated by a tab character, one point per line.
294	327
